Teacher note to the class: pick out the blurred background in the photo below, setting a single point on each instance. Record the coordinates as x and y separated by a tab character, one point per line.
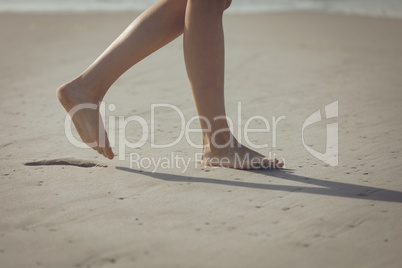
383	8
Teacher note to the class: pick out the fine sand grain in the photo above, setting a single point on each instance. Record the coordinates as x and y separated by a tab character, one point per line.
55	213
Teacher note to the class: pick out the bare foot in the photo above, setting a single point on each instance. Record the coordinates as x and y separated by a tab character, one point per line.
84	111
240	157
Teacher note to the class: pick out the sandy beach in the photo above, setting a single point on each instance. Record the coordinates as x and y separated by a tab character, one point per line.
132	213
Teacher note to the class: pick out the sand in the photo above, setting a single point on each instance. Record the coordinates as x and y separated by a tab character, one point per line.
101	213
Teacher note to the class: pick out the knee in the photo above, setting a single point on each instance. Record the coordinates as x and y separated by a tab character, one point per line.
211	5
177	4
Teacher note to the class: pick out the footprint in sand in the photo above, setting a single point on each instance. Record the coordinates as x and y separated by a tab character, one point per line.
65	162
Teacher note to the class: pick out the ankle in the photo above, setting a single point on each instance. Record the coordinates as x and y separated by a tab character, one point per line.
218	140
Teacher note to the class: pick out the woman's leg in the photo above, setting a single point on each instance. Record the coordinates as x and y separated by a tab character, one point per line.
154	28
204	57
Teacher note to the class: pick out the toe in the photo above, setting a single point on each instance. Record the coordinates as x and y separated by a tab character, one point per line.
108	152
99	149
266	163
272	163
279	164
255	163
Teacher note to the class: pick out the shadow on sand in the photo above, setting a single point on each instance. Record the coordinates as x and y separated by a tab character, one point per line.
325	187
